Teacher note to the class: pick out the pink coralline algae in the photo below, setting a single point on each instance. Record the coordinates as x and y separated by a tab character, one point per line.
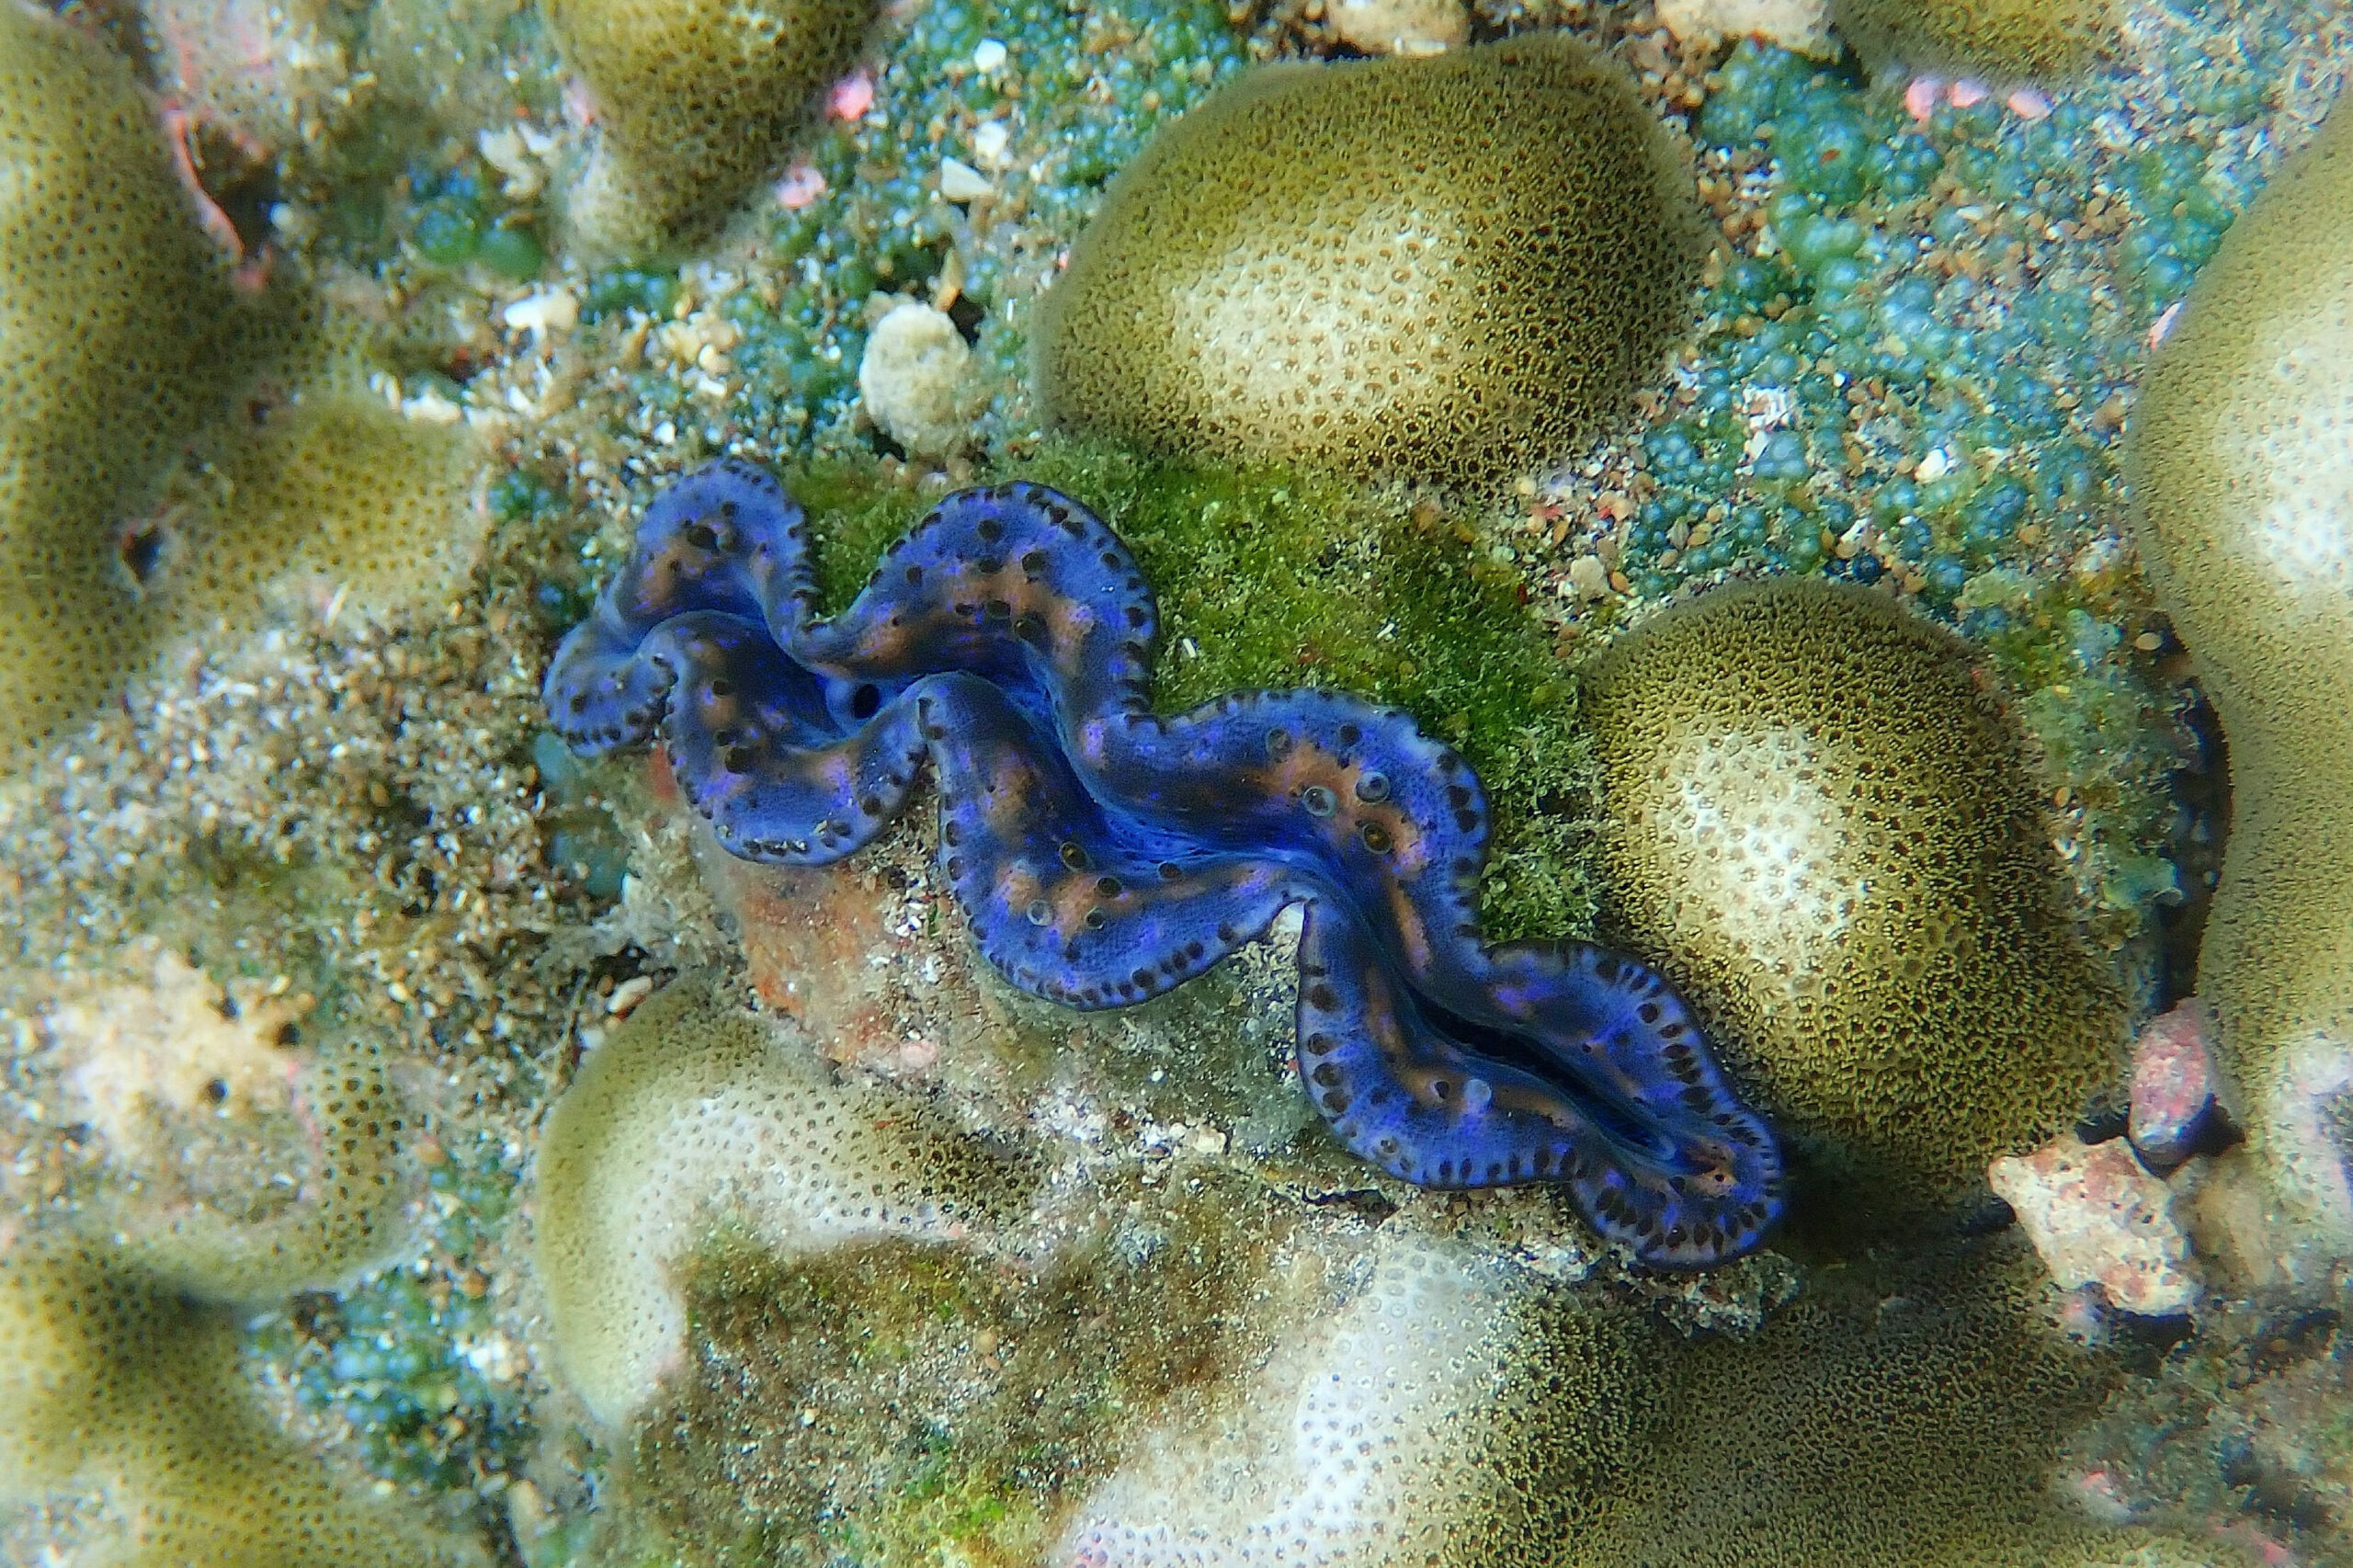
2096	1216
2177	1108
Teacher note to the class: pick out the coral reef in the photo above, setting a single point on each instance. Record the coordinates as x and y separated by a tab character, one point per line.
120	1406
117	327
2003	42
1449	268
1895	1413
1819	825
2241	451
695	105
1104	854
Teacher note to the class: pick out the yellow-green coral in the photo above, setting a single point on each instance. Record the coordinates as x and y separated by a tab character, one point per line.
2241	467
1445	268
699	1122
116	319
2004	42
334	500
696	101
1903	1412
1820	826
120	1406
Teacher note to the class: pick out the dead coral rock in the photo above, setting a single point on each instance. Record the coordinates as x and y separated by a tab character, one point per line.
2098	1217
1401	26
137	1055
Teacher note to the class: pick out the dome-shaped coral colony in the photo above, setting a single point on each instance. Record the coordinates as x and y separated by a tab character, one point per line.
1446	268
2242	468
1820	823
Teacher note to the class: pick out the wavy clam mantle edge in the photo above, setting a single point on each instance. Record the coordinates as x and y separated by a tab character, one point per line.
1105	853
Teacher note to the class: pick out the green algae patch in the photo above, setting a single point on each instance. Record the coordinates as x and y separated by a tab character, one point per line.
1822	827
1272	577
889	1401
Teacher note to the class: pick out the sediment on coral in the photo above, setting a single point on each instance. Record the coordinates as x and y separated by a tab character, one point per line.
1819	825
1444	269
2240	454
245	1160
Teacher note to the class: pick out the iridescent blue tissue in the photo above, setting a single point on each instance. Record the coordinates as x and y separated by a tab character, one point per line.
1104	854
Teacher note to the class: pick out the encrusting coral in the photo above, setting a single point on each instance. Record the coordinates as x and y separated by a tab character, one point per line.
1442	268
698	1122
2240	462
2002	42
120	1407
1821	826
696	102
118	327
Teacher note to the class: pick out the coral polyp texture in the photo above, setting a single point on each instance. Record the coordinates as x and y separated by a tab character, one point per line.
695	103
2242	470
122	1413
1444	268
1821	824
2003	42
333	500
116	319
695	1124
1104	854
